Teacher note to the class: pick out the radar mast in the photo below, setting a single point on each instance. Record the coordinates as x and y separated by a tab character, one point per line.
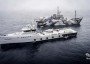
58	12
75	14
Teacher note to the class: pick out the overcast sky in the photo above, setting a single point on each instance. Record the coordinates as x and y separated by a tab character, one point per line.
27	5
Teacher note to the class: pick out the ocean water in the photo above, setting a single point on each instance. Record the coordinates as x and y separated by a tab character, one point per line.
71	51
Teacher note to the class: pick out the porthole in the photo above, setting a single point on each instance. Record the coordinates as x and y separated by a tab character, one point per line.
46	37
52	36
63	35
34	39
40	38
59	35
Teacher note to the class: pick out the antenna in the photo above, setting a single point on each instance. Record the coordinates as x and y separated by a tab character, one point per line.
75	14
58	12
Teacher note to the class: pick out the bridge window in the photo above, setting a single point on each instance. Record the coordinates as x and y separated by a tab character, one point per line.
58	33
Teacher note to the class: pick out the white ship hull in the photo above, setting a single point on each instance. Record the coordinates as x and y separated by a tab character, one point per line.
21	37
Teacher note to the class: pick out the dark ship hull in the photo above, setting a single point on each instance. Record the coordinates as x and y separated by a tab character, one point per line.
58	19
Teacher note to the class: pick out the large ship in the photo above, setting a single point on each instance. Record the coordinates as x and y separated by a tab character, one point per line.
30	34
58	19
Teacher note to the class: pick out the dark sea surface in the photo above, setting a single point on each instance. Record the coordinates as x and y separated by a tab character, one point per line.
71	51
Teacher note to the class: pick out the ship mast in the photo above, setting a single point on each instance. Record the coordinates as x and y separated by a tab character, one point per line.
75	14
58	12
